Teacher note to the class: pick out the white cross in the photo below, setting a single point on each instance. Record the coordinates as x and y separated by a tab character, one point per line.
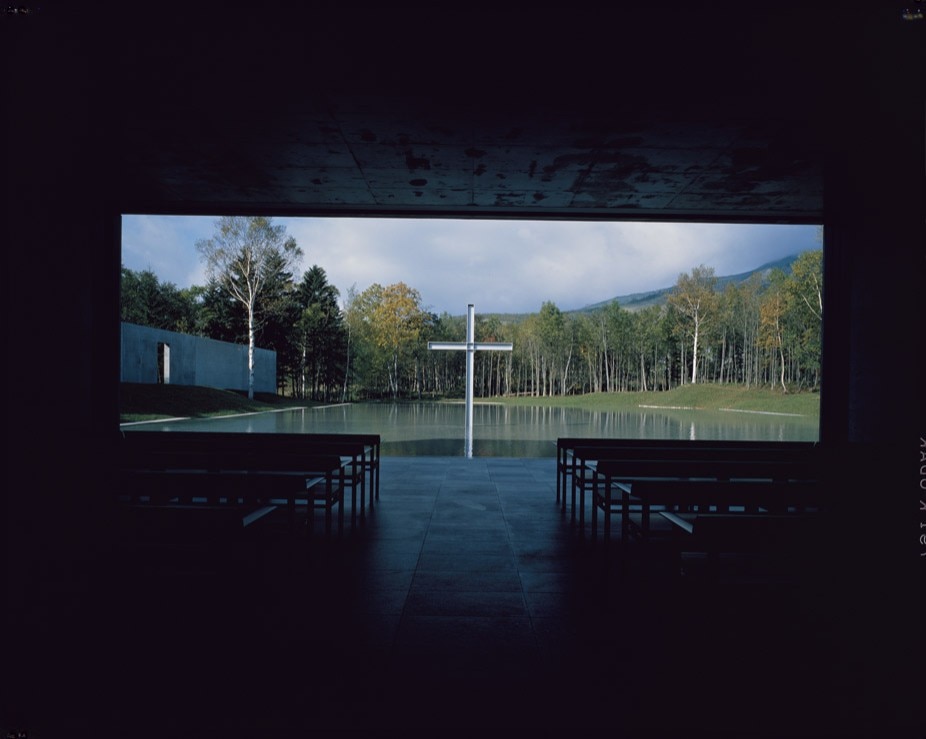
470	346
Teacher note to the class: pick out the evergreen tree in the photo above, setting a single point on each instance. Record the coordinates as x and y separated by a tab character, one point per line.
321	335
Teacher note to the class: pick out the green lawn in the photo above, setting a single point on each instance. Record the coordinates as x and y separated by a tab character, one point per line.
702	397
142	402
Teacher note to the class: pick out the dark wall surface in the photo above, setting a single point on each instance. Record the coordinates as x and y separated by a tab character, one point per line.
61	268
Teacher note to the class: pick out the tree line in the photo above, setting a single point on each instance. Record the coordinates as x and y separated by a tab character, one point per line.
372	344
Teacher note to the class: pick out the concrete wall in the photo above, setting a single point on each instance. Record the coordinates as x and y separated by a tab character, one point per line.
65	171
194	360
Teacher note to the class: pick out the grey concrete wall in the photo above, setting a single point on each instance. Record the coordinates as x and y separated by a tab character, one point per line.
194	360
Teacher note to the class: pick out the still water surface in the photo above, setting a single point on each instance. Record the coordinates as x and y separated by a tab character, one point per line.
436	429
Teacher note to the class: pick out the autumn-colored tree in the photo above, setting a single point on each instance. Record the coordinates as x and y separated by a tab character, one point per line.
393	320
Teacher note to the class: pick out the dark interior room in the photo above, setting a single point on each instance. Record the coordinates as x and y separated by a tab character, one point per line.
728	113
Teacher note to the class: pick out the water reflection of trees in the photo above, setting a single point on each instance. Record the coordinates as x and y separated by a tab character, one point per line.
522	428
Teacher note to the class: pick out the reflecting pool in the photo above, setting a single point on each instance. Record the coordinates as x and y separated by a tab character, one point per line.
436	429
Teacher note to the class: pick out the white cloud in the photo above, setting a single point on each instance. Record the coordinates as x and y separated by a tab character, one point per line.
500	266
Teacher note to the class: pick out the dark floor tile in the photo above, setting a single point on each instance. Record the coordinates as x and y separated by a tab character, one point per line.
485	525
487	528
467	561
425	601
547	582
467	636
454	543
460	581
464	503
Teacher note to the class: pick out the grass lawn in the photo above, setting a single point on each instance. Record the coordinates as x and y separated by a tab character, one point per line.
701	397
142	402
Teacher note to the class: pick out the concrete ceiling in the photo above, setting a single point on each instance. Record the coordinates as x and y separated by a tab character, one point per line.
660	114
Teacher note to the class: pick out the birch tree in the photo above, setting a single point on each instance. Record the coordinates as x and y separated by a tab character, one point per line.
771	334
242	256
804	302
694	298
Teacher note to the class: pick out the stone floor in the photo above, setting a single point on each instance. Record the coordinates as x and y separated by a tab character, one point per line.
464	599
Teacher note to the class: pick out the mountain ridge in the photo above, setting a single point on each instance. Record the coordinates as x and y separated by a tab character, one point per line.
641	300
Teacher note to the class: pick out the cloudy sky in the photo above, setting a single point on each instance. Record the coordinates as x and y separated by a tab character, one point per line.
500	266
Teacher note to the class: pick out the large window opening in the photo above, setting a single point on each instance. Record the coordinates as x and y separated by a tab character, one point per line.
625	329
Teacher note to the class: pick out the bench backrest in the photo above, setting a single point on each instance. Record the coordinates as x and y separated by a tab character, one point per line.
713	467
709	459
136	445
170	465
594	451
569	443
772	496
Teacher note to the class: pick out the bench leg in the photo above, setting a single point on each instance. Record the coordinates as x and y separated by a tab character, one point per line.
371	484
582	508
363	494
575	483
625	516
607	508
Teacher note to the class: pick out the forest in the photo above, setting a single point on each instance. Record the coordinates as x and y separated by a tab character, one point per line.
372	343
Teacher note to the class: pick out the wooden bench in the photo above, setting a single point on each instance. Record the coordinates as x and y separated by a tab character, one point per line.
364	448
244	470
576	456
779	540
184	518
701	494
191	539
704	480
568	465
316	481
362	451
579	458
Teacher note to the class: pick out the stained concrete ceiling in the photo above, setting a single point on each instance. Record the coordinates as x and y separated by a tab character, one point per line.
660	113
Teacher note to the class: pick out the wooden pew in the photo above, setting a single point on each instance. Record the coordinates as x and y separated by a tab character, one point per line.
780	542
365	446
175	539
715	483
361	450
578	459
573	452
568	465
246	470
702	493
